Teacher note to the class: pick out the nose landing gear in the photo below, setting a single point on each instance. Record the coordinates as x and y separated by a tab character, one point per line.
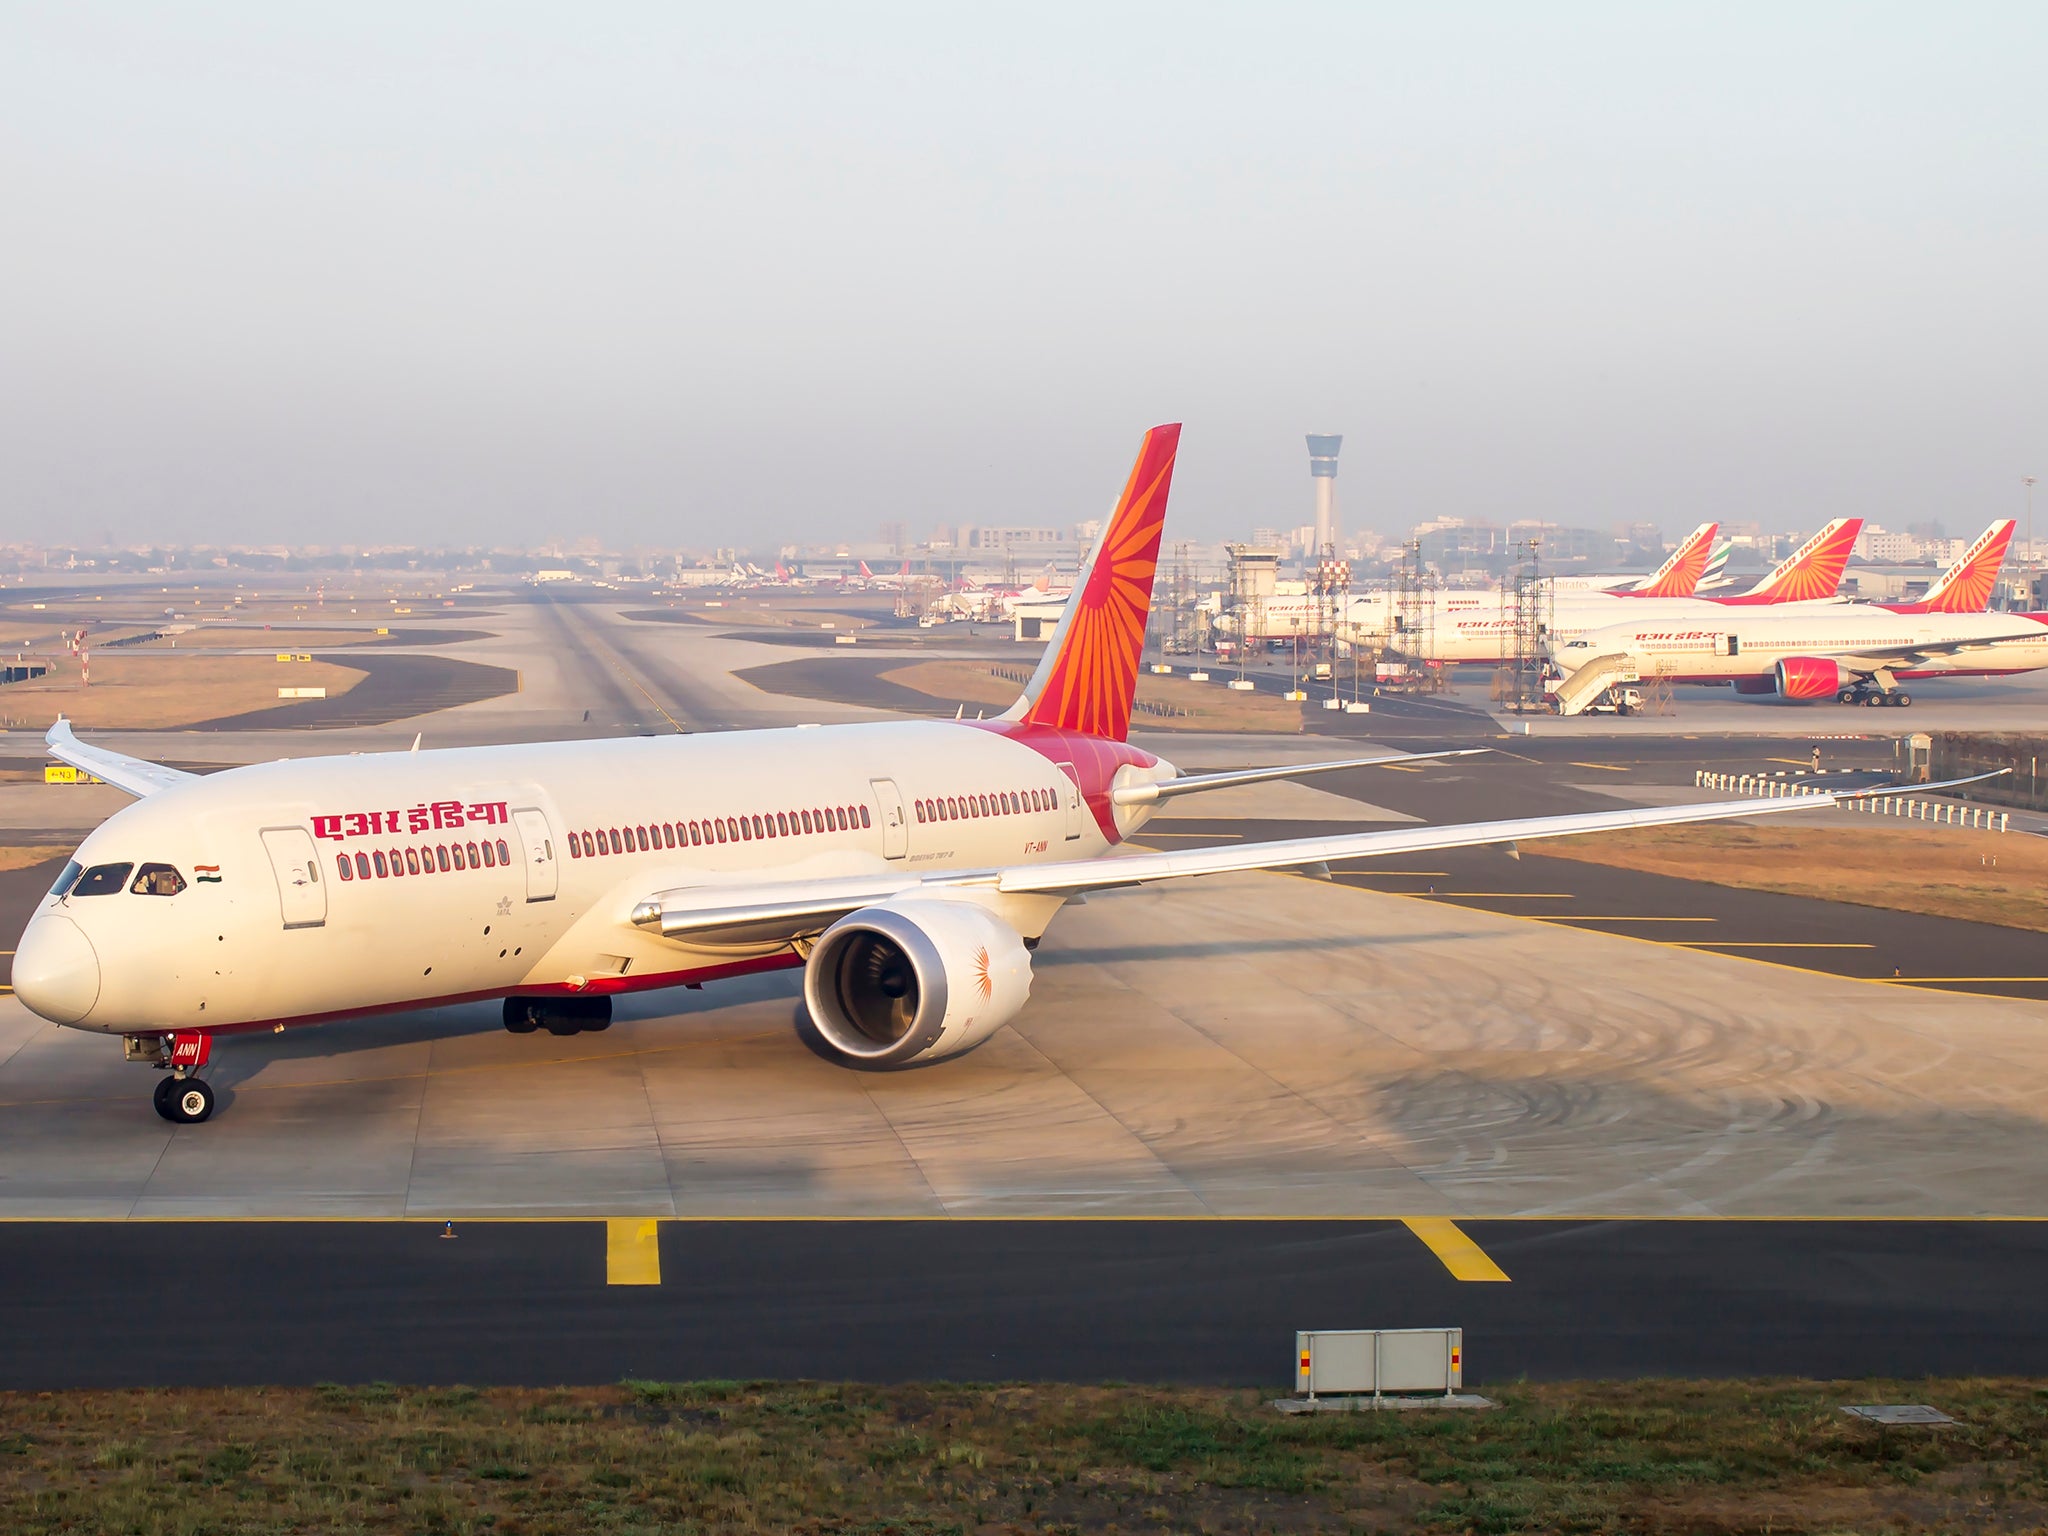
180	1098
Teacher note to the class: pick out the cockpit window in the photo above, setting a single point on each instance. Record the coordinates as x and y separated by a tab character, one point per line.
157	880
67	877
102	880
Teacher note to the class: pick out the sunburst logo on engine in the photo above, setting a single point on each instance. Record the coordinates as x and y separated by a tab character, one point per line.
983	982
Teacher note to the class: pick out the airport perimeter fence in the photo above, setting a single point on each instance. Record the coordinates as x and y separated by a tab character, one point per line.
1959	754
1138	706
1947	813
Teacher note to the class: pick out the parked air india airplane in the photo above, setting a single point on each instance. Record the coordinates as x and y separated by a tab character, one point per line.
907	868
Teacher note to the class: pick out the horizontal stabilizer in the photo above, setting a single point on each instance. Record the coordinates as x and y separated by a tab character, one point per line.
1195	783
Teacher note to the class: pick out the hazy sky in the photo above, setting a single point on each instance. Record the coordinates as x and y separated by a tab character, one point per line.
688	274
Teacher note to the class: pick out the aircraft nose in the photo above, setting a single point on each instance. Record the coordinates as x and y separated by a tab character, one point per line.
56	972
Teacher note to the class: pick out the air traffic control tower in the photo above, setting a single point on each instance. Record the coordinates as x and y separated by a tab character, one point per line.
1322	468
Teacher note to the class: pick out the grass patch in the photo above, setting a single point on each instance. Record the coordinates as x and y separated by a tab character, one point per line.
1902	866
153	690
1701	1457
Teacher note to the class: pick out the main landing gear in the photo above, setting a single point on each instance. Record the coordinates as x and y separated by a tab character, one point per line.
180	1098
557	1015
1898	698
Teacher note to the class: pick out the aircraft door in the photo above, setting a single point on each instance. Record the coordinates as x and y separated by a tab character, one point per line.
301	896
539	844
1073	794
895	830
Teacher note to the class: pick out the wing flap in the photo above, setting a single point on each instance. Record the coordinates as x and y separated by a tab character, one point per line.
132	775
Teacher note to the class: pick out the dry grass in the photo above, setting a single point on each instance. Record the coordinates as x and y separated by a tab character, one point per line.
1695	1457
1903	866
161	689
27	855
1209	706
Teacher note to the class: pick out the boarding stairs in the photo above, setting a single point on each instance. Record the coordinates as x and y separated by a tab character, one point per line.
1589	682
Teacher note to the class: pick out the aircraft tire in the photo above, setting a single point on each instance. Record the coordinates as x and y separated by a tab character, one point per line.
563	1024
519	1017
162	1098
1872	700
192	1103
1903	700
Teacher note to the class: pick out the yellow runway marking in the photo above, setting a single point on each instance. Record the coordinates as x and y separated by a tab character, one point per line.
1513	895
1465	1259
1760	944
1603	767
1910	980
632	1252
1581	917
1398	768
1406	874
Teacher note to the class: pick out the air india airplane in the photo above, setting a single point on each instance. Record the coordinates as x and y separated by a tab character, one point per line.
908	868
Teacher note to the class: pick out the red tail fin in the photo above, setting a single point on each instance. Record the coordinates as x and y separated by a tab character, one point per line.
1814	570
1966	586
1679	575
1089	674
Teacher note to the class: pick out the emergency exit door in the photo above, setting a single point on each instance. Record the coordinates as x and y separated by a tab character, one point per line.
895	829
539	844
301	894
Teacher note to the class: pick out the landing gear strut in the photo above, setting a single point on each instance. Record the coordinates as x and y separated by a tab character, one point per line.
1864	694
181	1097
557	1015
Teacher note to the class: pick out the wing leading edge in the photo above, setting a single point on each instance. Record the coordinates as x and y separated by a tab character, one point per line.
795	909
132	775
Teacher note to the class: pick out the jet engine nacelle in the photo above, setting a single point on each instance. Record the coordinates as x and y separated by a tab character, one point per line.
1810	677
915	980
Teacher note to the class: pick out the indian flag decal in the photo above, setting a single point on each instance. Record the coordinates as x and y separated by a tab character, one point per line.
206	874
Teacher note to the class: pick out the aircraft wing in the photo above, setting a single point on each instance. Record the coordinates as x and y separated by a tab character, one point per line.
1913	655
133	775
752	914
1194	783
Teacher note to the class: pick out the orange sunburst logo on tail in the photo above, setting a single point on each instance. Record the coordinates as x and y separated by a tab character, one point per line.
1681	573
1090	672
1814	570
1966	586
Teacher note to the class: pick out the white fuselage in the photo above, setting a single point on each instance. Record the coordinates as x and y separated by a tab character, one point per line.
280	936
1748	643
1478	628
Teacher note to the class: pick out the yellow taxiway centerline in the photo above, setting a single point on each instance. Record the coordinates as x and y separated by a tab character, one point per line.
1465	1259
632	1252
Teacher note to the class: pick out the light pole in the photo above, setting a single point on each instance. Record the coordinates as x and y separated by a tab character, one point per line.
2027	561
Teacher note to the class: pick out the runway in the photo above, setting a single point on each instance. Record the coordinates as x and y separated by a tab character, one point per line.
1197	1302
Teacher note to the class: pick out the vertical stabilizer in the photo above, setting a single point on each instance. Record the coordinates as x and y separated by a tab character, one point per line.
1812	571
1966	586
1089	674
1680	575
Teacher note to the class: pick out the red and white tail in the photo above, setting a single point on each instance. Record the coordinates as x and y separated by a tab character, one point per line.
866	574
1814	570
1089	674
1966	586
1680	575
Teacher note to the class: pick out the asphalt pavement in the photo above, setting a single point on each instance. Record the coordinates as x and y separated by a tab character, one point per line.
1201	1301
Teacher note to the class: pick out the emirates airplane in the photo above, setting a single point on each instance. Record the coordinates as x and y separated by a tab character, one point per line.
908	868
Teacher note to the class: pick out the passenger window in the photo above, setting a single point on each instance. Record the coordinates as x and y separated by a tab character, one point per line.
102	880
67	877
348	870
156	879
504	853
863	815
